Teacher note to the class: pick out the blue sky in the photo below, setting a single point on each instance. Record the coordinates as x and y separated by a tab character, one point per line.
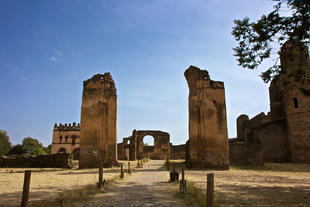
47	49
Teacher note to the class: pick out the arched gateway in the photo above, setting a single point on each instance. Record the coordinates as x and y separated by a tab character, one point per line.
137	150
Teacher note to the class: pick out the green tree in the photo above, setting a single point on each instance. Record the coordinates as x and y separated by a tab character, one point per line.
30	144
5	144
17	150
256	39
48	149
38	151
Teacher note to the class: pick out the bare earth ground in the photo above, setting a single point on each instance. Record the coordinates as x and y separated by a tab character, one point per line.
45	183
146	187
274	184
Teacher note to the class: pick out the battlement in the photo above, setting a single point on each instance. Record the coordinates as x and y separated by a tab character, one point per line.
259	119
67	127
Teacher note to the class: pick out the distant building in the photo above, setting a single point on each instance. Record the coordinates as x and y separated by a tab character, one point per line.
66	138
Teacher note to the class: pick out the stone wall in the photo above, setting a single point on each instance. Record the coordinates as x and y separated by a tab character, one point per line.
295	63
161	149
284	132
178	151
273	137
59	160
148	151
246	152
98	122
207	121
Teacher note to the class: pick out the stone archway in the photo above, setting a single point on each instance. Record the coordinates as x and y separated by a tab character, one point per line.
76	154
161	148
148	146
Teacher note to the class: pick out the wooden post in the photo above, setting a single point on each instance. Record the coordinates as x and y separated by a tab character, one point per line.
122	172
210	190
167	163
26	188
100	183
129	170
183	186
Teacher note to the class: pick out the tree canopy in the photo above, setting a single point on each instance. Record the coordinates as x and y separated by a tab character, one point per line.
30	144
5	144
17	150
257	39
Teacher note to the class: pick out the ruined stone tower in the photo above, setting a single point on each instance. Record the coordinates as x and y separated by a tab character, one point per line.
98	122
295	64
208	140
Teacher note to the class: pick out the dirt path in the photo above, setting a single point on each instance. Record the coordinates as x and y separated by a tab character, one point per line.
147	187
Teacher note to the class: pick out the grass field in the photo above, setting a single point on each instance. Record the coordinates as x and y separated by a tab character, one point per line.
274	184
49	184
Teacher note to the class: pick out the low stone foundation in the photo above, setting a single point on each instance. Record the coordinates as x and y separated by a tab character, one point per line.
59	160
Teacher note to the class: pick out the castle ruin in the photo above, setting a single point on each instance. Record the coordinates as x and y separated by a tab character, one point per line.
98	122
208	139
284	132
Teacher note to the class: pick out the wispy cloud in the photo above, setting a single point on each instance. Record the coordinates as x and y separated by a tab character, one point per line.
57	56
58	52
54	59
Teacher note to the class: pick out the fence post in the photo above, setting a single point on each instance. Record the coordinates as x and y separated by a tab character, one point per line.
210	190
122	172
129	170
26	188
100	183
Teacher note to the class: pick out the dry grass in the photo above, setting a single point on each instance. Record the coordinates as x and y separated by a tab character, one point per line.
50	184
275	184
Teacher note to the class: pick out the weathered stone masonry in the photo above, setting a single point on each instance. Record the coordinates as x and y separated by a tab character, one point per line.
284	132
66	138
208	140
98	122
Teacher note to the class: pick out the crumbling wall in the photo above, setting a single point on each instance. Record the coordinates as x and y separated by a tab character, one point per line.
161	148
148	151
207	121
178	151
123	149
246	151
98	122
59	160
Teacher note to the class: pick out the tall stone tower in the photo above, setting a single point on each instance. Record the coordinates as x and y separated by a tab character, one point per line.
295	64
208	140
98	122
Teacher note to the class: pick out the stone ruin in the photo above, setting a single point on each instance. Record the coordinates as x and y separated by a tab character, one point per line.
132	147
59	160
283	134
208	139
98	122
280	136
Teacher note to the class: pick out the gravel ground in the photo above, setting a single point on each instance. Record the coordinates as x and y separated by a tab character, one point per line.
147	187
